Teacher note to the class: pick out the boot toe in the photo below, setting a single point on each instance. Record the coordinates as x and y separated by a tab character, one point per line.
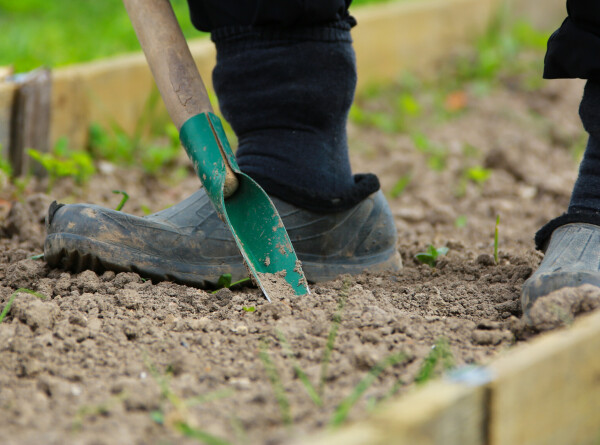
571	260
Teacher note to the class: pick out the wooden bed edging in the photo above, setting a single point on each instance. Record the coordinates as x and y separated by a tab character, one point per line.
545	392
390	38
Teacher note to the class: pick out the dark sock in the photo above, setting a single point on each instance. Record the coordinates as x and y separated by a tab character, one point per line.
287	92
586	193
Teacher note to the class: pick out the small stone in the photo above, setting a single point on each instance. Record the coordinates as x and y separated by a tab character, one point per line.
77	318
240	383
223	296
241	330
485	260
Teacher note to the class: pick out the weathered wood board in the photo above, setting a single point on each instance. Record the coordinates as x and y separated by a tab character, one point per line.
546	392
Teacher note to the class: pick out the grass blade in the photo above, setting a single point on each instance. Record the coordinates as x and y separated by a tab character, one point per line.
275	379
439	351
496	239
310	389
341	413
205	398
335	325
8	305
197	434
124	199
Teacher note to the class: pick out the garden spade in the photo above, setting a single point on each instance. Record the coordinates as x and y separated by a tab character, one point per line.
239	201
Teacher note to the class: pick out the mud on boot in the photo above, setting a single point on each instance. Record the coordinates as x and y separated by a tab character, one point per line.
189	244
572	257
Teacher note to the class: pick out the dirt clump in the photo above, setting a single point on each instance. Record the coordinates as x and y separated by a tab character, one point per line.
559	308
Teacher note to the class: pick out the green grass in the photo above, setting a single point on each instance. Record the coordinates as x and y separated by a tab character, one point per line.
316	392
61	32
12	297
179	408
440	356
496	239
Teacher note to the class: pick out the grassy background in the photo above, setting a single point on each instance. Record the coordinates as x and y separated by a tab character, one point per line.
61	32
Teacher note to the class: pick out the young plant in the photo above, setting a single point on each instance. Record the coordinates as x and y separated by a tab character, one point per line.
477	175
12	297
123	200
460	221
275	379
180	407
400	185
496	239
431	255
440	355
436	154
342	411
225	282
62	162
117	146
5	172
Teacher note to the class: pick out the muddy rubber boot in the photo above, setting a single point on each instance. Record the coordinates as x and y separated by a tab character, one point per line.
189	244
571	242
572	258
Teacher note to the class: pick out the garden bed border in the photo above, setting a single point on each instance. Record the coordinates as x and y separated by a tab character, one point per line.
546	391
391	37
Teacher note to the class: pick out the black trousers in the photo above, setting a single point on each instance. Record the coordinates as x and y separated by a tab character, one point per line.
209	15
574	49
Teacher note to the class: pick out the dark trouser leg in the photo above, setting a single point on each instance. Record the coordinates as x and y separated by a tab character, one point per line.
574	52
572	241
573	49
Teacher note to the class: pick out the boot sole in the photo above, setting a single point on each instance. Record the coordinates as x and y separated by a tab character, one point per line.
77	253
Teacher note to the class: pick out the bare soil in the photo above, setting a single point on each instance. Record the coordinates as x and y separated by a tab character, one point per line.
117	359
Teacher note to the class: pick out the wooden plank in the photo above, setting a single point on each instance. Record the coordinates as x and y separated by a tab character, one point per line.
394	37
548	391
5	72
115	91
30	120
548	17
441	413
7	94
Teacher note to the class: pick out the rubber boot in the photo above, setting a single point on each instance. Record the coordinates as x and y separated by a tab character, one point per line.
571	242
189	244
572	258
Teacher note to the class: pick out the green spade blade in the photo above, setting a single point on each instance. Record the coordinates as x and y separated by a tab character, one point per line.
249	212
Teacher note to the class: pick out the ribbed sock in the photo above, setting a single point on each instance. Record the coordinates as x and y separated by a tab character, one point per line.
287	93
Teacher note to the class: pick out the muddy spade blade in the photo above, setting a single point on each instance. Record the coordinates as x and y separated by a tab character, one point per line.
248	212
240	202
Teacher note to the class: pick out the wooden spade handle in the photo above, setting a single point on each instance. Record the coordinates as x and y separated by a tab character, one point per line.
172	65
169	58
